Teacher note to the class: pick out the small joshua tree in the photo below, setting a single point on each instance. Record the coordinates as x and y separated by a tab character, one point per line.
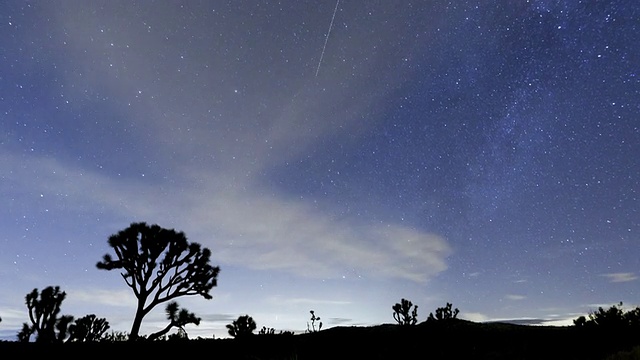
25	334
44	308
242	327
314	318
267	331
177	318
88	329
403	314
116	336
444	313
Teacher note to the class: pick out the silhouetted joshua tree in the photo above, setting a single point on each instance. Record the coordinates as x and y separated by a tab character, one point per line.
25	334
314	318
159	265
88	329
403	314
444	313
180	335
177	318
44	308
271	331
267	331
242	327
116	336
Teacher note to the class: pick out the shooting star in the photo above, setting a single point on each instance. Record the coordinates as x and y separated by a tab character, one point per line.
326	39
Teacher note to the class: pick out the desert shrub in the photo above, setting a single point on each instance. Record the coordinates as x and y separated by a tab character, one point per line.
612	318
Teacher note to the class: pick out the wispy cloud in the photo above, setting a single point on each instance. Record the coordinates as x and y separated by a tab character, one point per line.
620	277
13	317
473	316
118	298
515	297
549	320
340	321
266	232
279	300
219	318
248	227
529	322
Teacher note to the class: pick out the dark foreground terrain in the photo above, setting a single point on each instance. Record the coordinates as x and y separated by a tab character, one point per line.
456	339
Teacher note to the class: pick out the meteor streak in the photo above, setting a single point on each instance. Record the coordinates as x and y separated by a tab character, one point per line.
327	38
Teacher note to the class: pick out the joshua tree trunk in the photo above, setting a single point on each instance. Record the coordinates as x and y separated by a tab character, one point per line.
137	321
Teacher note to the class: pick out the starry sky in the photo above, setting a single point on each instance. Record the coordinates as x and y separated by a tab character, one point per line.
334	156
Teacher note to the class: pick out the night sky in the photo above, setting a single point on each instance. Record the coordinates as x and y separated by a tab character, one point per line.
483	153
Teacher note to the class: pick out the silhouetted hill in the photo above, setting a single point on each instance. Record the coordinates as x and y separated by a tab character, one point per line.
454	339
464	339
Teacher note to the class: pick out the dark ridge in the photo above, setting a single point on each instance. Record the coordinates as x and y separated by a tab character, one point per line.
451	339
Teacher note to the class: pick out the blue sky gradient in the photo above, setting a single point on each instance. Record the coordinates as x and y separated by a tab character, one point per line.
481	153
